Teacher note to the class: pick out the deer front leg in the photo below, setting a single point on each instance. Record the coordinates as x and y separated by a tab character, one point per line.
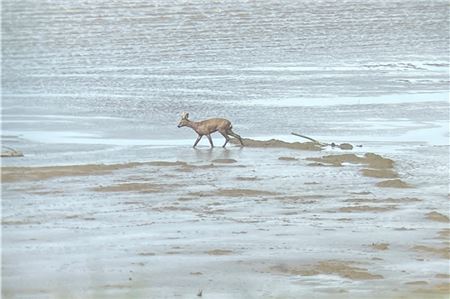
210	140
198	139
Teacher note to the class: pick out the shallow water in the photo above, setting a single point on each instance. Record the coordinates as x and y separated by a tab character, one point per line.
103	82
141	63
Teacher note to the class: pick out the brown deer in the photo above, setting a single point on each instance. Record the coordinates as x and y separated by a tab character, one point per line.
206	127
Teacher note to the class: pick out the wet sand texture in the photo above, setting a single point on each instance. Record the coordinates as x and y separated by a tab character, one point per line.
357	209
371	160
165	163
442	252
380	246
130	187
13	174
243	192
287	159
247	178
379	173
435	216
417	282
444	234
437	291
378	167
401	200
219	252
224	161
306	146
341	268
397	183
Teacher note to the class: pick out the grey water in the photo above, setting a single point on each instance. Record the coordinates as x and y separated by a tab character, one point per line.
126	69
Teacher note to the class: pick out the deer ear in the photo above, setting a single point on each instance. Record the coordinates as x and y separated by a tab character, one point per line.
184	115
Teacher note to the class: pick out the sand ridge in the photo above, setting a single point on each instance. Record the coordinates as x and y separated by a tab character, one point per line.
366	208
231	192
436	216
440	251
13	174
396	183
380	246
131	187
247	202
370	159
379	173
36	173
274	143
377	167
345	269
284	158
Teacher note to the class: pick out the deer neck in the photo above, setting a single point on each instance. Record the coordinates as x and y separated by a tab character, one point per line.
193	125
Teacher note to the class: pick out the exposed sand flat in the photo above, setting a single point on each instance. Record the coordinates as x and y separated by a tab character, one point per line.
379	167
12	174
442	252
244	192
379	173
419	282
431	292
131	187
444	234
166	163
364	208
224	161
404	200
370	159
436	216
396	183
287	159
380	246
219	252
250	178
190	216
345	269
274	143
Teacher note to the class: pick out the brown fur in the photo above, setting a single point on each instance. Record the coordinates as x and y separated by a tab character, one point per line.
209	126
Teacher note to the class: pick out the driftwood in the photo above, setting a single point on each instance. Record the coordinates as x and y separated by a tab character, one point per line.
10	152
343	146
306	137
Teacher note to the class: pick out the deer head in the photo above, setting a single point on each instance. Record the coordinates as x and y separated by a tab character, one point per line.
184	119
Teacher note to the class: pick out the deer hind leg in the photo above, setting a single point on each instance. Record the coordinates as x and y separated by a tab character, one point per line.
210	140
198	139
224	134
231	133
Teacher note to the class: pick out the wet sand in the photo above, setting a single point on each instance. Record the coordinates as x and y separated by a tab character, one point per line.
237	223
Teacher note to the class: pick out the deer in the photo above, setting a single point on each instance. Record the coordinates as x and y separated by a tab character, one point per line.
209	126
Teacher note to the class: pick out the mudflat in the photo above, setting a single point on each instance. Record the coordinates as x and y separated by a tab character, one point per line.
174	227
